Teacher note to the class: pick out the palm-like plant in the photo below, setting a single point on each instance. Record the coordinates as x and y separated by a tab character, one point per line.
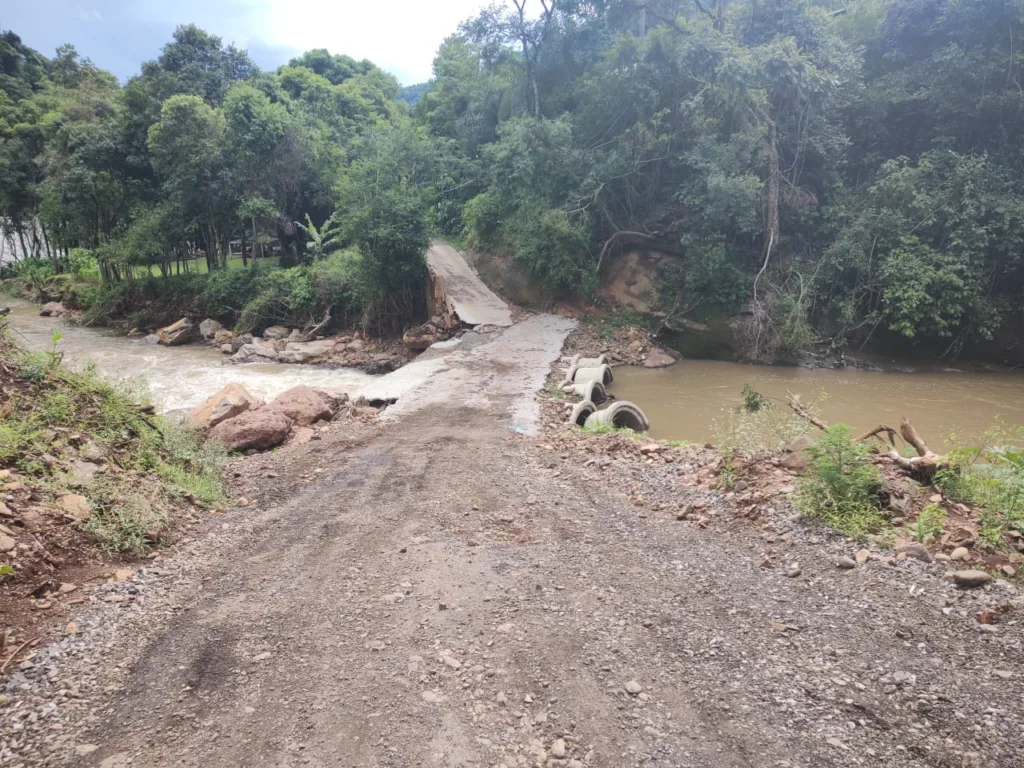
322	240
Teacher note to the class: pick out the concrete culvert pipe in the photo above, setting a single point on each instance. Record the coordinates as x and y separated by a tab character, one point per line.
570	374
581	412
592	390
602	373
620	414
590	362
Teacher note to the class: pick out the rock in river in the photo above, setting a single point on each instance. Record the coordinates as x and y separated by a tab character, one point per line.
53	309
177	333
658	358
260	429
209	328
231	401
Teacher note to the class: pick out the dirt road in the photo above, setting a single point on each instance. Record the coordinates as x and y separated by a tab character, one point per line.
439	590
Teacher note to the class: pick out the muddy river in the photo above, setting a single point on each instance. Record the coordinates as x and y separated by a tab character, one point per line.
682	401
178	377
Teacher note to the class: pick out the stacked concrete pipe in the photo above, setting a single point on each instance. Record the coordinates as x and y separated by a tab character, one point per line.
590	377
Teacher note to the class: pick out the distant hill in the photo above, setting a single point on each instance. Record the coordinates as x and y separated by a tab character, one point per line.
410	94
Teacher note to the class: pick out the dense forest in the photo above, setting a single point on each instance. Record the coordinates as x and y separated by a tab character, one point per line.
836	169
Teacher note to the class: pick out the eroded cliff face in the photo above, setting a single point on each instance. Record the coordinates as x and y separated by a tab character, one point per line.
635	279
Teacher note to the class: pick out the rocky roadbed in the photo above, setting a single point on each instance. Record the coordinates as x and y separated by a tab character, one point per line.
439	591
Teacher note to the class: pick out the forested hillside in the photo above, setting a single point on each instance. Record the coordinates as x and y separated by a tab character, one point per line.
840	170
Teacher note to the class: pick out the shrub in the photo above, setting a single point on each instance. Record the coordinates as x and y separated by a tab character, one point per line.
553	248
841	486
481	217
990	476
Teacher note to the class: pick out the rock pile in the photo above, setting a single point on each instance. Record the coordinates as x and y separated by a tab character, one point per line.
243	423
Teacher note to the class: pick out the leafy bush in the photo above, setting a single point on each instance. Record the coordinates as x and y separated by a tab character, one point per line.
554	249
482	218
841	486
81	263
929	524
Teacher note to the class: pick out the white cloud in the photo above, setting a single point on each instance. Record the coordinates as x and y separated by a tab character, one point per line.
400	36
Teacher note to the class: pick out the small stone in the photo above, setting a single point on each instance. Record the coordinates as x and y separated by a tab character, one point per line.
633	688
557	748
1009	570
935	498
862	556
75	507
960	553
970	579
846	563
741	485
914	550
7	543
903	677
430	697
122	574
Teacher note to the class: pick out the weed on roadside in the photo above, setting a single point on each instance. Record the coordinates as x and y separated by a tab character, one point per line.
841	486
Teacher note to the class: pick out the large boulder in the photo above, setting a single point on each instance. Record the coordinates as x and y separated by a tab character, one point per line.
276	333
304	351
422	336
239	341
658	358
231	401
177	333
208	328
53	309
254	353
260	430
303	405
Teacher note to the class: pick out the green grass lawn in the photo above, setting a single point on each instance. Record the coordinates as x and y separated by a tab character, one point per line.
198	266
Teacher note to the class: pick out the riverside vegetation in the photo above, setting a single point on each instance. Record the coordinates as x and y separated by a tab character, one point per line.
84	461
842	171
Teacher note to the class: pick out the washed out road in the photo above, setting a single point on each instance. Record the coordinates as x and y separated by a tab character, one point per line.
442	590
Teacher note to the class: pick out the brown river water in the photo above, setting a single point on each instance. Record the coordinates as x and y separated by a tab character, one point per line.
683	400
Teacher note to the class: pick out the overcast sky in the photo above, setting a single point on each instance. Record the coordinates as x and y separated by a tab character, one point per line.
400	36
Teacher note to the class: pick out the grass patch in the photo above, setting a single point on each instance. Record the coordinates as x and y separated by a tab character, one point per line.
990	475
152	463
608	429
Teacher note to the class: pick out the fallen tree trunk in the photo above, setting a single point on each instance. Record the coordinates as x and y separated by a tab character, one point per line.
925	463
